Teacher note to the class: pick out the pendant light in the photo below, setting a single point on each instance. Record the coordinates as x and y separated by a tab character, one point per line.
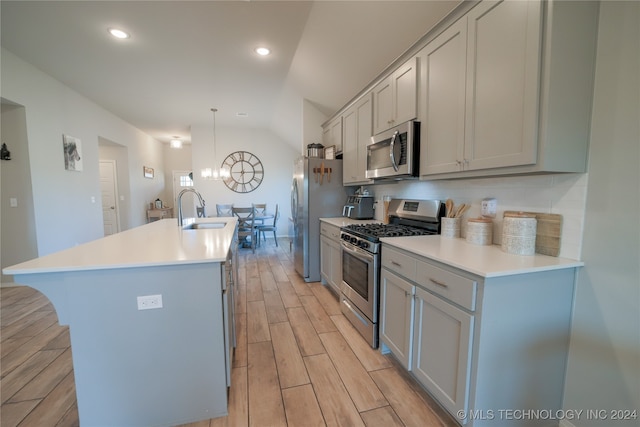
214	173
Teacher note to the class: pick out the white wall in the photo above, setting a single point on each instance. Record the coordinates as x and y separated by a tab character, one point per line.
277	158
64	212
18	238
312	120
604	357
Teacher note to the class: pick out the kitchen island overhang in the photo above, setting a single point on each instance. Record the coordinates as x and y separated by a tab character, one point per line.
151	367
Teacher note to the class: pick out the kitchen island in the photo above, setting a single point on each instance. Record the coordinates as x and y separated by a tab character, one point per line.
156	361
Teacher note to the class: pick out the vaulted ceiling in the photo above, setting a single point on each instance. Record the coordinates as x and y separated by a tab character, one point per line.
185	57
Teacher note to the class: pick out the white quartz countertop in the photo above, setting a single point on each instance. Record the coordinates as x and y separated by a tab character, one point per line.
158	243
485	261
341	221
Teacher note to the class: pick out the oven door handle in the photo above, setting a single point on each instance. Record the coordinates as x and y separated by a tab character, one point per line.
356	252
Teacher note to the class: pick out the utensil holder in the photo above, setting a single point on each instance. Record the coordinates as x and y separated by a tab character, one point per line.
450	228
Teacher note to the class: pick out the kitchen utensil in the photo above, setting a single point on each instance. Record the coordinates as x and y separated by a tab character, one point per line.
321	172
461	210
448	208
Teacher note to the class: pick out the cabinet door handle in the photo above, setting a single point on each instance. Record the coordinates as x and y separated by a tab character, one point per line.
434	281
407	293
397	264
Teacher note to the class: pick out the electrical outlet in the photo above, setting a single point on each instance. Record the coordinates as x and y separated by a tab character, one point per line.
489	208
147	302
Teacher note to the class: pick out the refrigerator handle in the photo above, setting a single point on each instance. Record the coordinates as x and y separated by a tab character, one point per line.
294	201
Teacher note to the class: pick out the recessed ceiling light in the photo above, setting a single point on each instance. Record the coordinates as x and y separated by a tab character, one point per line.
263	51
242	114
176	142
119	33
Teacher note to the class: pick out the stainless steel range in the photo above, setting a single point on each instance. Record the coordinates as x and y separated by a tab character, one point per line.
361	247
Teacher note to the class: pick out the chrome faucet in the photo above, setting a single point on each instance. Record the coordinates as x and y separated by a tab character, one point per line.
188	190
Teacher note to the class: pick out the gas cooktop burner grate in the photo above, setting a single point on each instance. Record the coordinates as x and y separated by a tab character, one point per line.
377	231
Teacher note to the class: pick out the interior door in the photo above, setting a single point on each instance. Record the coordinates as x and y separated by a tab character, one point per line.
109	194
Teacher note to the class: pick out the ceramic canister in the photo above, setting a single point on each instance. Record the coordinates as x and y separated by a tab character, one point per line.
480	231
519	234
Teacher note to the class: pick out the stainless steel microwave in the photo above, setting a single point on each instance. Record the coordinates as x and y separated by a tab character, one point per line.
394	154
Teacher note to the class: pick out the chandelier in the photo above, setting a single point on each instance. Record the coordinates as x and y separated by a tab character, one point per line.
214	173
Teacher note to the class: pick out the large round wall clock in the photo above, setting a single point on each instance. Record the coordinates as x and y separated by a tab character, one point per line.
245	172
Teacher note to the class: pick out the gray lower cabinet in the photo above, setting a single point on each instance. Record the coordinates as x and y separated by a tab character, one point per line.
228	307
481	346
396	313
442	349
330	256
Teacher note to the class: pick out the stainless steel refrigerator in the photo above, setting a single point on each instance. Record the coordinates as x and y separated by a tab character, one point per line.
313	196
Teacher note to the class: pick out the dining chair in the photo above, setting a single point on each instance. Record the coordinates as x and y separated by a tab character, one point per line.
273	227
224	210
261	210
246	226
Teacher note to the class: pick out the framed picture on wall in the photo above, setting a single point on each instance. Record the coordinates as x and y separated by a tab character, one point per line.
148	172
72	148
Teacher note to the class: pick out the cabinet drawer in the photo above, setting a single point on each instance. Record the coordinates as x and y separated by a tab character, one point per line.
451	286
331	231
403	264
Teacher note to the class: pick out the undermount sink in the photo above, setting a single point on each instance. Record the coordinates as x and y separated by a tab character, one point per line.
204	225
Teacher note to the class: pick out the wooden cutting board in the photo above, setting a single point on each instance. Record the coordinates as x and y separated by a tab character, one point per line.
548	232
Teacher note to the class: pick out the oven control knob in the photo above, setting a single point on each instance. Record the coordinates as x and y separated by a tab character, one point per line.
354	240
364	244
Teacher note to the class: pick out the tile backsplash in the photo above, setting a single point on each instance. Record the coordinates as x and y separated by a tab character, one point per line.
563	194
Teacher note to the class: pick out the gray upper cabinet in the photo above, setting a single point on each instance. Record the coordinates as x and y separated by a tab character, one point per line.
356	134
506	89
444	76
500	88
503	63
395	99
332	134
480	90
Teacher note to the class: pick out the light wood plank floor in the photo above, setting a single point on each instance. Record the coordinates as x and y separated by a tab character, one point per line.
298	361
